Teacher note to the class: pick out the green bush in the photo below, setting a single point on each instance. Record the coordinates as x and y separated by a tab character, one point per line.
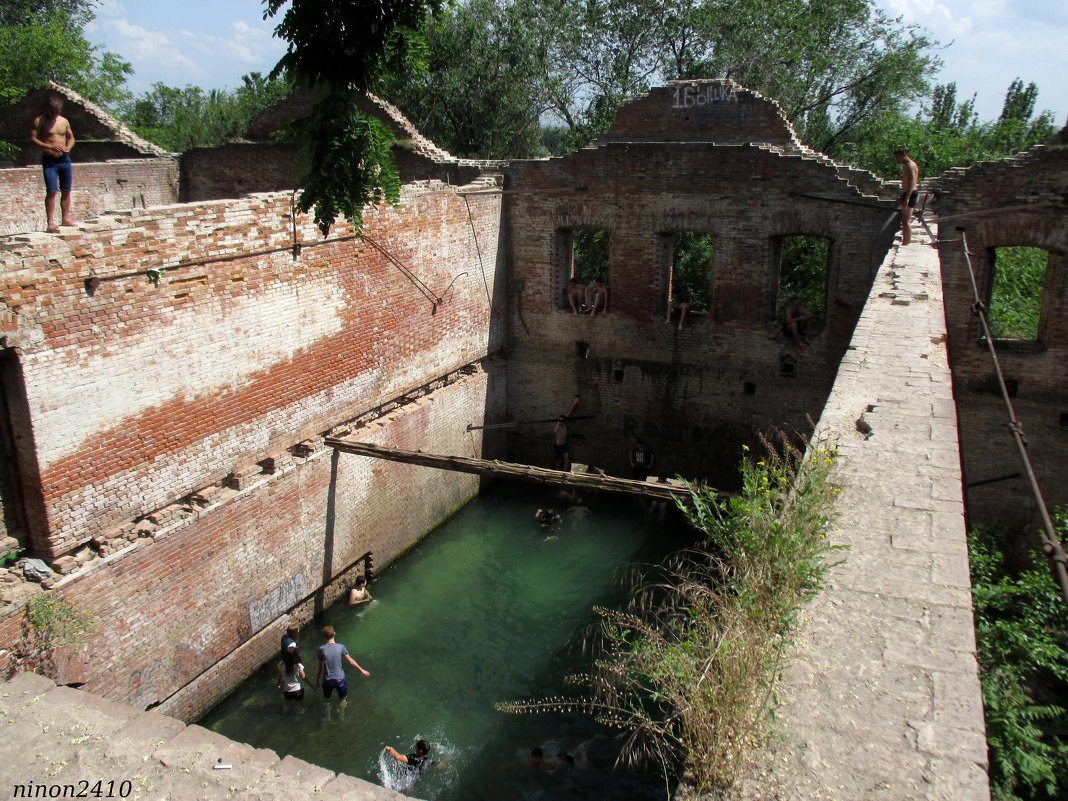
1022	638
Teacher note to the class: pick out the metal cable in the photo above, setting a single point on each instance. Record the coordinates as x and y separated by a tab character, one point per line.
1051	544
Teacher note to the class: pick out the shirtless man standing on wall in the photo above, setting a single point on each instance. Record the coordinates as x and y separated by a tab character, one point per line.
52	134
910	191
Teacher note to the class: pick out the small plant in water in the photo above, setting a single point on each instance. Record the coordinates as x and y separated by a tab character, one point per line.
689	668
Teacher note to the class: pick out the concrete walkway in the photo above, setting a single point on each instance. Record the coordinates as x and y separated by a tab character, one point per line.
57	736
882	702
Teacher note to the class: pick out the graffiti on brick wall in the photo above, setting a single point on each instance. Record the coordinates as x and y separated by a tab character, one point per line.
261	612
702	95
722	433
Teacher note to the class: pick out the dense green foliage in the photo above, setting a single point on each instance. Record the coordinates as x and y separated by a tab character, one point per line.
476	98
590	249
803	274
181	119
947	133
832	65
691	263
42	40
1017	292
688	670
1022	636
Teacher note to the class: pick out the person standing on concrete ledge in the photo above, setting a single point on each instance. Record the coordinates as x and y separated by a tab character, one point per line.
910	191
331	656
53	135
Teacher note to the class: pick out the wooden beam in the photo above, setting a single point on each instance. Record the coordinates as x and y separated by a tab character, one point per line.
522	472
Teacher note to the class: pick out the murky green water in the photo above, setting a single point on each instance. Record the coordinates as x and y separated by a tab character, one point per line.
487	608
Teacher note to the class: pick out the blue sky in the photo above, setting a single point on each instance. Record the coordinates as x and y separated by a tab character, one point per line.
212	43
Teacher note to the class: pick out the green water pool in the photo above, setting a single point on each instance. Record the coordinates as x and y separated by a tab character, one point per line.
489	607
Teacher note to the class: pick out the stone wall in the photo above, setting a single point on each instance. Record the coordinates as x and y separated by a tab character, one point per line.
140	393
695	395
99	187
1018	201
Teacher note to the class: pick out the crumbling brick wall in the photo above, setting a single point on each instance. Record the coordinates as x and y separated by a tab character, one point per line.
141	392
1012	202
698	394
99	187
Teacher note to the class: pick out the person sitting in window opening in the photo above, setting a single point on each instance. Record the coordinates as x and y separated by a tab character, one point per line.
561	441
576	296
290	675
547	517
359	594
416	762
680	299
795	321
597	297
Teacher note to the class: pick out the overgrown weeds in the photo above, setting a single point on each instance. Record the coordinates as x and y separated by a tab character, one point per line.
688	669
50	622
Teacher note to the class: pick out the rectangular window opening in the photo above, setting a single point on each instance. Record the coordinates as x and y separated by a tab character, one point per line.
582	269
800	270
686	259
1017	288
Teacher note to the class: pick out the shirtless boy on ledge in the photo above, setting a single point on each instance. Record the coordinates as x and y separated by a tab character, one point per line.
53	135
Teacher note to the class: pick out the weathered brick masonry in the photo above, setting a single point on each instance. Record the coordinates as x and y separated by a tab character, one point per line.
99	187
238	352
138	393
666	166
1018	201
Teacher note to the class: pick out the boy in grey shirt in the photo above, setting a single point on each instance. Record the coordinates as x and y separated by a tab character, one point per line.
332	656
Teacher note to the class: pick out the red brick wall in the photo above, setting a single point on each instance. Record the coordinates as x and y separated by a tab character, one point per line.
684	391
140	394
172	608
98	187
1017	201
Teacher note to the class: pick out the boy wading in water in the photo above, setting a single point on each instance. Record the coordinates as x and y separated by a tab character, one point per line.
332	656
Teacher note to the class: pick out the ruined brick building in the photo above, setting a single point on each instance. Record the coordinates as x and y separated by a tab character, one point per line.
171	365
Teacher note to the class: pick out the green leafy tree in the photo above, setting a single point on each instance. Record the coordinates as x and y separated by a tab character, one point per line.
342	48
947	133
482	95
180	119
1022	639
42	40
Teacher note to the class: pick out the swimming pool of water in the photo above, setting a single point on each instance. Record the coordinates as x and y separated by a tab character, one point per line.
489	607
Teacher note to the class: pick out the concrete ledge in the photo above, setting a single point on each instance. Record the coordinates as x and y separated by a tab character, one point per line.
61	736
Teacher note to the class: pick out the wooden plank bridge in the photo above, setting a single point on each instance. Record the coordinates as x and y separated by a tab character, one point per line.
591	482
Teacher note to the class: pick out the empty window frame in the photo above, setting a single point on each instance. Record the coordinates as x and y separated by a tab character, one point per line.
1016	289
800	267
582	254
686	259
